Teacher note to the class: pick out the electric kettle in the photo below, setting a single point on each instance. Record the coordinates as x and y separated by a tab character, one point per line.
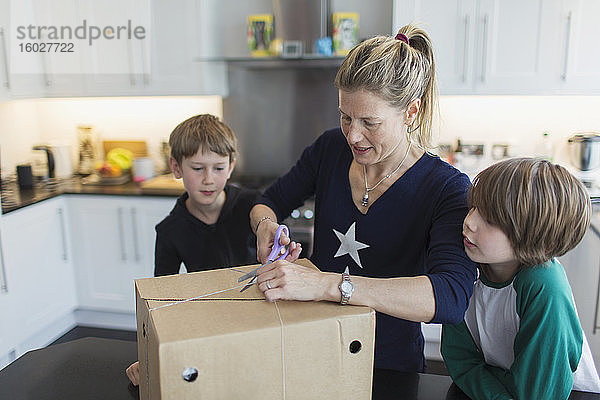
60	164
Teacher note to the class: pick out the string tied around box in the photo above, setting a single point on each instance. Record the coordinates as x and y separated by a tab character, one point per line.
176	302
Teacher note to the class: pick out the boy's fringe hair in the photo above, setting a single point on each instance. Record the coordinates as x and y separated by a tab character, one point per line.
202	132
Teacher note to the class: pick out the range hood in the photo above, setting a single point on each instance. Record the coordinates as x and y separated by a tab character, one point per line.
305	21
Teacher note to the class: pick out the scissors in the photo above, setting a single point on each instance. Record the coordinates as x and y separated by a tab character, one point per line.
278	251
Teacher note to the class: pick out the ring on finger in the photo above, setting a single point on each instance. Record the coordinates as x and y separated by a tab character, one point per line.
269	285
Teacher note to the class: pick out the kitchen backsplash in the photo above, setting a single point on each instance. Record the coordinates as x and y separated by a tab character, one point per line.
516	121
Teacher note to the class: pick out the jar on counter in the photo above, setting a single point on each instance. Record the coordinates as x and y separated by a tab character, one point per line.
87	149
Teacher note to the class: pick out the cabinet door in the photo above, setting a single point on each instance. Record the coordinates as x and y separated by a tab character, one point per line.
580	59
27	75
39	272
144	214
102	251
147	214
451	26
118	66
113	245
511	44
62	70
174	47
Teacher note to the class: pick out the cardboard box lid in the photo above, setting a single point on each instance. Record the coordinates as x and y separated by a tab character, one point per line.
218	318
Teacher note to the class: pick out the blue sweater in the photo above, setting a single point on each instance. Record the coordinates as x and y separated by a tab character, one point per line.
414	228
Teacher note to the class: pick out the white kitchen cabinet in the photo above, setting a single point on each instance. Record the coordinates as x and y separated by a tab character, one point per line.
40	286
577	31
164	63
582	265
113	240
490	46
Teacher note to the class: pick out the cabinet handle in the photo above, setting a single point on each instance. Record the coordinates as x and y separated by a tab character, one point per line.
484	49
3	284
132	80
63	233
567	46
5	60
465	48
146	76
135	235
121	234
596	309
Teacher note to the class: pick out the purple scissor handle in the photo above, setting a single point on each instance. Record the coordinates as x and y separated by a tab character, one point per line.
277	252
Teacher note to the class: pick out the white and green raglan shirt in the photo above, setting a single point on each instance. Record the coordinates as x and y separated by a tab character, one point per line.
521	339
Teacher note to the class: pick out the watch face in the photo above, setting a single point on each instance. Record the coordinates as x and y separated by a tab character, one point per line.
347	287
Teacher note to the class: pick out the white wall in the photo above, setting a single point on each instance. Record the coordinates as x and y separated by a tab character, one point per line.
515	120
24	123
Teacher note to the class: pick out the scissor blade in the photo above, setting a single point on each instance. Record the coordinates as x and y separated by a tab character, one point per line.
252	282
250	274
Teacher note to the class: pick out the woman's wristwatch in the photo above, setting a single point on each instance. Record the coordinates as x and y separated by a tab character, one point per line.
346	287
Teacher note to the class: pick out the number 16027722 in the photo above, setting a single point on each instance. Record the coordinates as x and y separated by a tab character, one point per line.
47	47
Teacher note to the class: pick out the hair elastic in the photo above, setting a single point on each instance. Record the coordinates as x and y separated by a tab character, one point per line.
403	37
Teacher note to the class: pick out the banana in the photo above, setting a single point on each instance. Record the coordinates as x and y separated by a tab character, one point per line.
121	157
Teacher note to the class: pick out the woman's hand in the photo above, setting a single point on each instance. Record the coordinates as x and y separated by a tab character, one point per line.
133	373
288	281
265	237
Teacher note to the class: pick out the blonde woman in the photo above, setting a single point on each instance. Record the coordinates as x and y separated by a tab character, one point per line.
388	214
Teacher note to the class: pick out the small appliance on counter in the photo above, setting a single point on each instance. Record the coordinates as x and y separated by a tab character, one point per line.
59	161
584	156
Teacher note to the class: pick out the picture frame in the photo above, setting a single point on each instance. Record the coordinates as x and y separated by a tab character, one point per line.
345	32
259	34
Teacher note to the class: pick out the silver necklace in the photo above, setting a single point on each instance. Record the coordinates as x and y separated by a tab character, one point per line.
365	199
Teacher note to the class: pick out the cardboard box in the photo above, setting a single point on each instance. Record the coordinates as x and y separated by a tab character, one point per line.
240	347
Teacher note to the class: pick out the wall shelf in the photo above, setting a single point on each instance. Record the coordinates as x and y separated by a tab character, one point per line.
308	61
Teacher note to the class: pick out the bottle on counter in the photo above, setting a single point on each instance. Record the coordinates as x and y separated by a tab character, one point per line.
546	149
87	149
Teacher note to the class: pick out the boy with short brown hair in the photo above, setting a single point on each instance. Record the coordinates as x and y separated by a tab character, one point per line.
209	226
521	337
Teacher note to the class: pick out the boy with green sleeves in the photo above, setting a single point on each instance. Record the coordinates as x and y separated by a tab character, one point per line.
521	337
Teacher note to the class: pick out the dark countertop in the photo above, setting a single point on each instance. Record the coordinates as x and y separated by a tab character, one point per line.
14	197
94	368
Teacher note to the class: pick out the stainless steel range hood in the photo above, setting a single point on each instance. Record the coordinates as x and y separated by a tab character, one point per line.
305	21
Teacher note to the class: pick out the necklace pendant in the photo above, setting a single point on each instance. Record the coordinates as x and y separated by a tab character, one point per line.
365	200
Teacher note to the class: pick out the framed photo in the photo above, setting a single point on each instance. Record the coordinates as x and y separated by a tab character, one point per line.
345	32
260	33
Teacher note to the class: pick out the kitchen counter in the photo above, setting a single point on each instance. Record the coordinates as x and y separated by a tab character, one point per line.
14	197
94	368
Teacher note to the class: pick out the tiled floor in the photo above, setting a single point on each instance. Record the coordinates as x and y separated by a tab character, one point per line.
433	367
